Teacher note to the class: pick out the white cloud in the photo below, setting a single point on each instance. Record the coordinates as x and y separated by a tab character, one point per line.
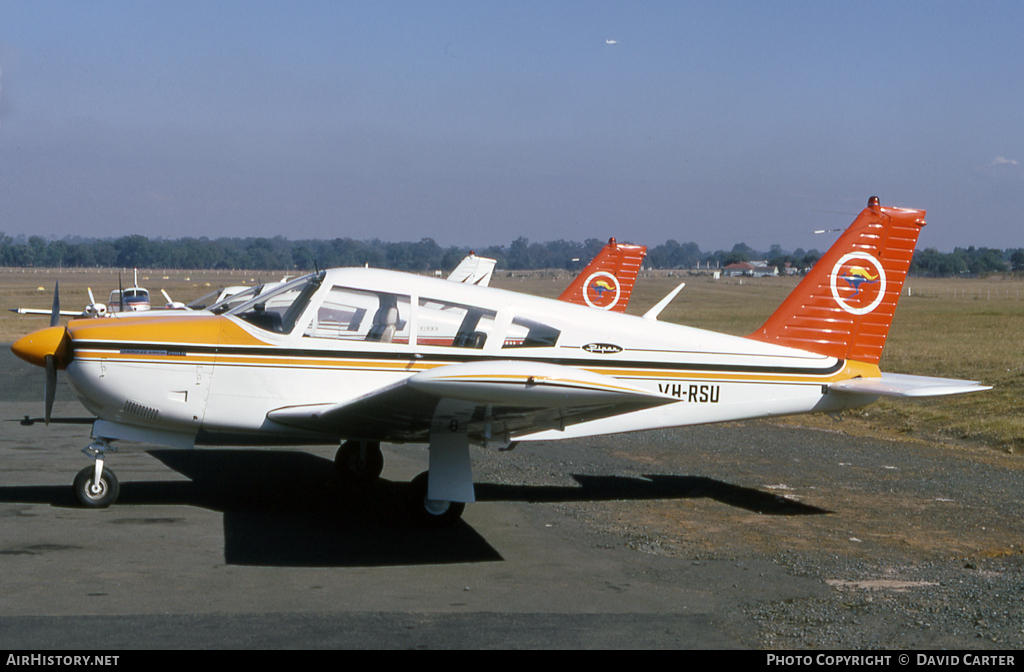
1003	168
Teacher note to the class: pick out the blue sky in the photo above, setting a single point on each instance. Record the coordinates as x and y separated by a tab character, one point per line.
478	122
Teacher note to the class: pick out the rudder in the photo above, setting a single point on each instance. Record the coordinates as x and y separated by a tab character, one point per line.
844	307
607	282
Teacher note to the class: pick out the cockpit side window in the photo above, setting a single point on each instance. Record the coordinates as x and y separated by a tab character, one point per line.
360	315
386	320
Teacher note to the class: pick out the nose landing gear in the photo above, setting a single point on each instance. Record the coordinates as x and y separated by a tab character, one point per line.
96	487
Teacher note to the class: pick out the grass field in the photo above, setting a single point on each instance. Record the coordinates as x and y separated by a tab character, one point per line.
957	328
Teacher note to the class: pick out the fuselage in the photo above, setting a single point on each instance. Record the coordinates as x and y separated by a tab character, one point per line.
346	333
135	299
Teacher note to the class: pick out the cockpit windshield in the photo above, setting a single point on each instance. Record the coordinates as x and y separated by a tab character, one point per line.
277	309
235	300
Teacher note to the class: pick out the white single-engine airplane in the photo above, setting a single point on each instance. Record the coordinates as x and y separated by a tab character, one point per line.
365	355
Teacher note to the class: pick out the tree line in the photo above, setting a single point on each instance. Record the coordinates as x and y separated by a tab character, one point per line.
279	253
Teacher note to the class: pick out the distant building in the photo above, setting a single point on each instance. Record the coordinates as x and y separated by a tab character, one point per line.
738	269
756	269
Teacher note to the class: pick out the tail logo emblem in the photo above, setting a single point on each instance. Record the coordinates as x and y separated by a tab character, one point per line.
858	283
601	290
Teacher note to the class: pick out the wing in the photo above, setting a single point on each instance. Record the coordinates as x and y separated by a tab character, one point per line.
41	311
902	385
491	401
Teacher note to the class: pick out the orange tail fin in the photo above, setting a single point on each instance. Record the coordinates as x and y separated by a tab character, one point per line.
607	282
844	306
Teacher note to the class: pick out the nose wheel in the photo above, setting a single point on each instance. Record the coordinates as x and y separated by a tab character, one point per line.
93	492
96	487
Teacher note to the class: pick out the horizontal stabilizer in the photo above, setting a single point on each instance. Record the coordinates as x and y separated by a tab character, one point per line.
903	385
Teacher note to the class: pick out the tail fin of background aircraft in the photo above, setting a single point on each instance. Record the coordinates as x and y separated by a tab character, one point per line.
844	306
473	270
607	282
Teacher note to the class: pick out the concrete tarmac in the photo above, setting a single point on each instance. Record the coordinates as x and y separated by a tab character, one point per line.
712	537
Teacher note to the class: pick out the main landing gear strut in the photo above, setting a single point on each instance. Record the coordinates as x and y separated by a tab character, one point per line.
361	463
431	512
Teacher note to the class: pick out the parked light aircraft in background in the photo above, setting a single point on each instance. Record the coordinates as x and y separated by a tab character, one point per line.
93	309
362	356
136	299
606	283
474	270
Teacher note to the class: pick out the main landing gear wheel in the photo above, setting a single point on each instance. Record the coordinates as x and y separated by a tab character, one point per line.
96	495
431	512
359	462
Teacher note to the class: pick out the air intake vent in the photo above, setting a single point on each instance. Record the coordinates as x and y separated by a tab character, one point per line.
139	410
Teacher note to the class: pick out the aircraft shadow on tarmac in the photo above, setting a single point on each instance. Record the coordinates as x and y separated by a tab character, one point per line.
610	488
285	508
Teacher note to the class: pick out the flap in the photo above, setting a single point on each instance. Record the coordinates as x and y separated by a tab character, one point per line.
494	400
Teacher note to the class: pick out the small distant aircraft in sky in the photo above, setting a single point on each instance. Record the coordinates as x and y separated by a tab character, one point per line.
362	356
611	41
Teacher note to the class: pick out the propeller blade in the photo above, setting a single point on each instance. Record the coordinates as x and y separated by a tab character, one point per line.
120	291
55	311
50	391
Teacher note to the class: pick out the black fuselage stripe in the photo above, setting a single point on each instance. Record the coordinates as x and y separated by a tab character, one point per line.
603	362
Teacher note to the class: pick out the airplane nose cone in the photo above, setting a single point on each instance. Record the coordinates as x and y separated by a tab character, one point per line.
36	346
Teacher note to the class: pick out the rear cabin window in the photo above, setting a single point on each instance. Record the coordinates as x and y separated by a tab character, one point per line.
523	333
452	325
